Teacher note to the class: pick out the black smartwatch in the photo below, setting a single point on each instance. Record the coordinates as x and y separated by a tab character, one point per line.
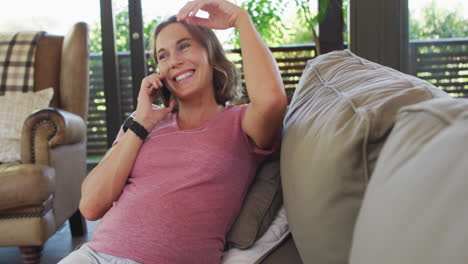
138	129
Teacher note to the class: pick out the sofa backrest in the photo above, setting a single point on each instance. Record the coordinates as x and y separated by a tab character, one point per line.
339	118
414	209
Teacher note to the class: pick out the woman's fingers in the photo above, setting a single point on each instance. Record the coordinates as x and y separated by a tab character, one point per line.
146	114
222	14
185	11
197	21
152	82
191	9
149	85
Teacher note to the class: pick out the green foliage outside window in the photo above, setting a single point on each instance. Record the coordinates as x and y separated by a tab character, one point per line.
278	29
122	32
267	17
438	23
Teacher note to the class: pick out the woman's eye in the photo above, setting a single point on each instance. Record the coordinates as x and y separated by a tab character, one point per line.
162	57
184	45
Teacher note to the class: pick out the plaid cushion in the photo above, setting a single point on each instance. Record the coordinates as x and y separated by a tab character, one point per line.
17	52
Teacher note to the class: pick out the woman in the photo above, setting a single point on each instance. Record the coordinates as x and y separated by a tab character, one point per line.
172	195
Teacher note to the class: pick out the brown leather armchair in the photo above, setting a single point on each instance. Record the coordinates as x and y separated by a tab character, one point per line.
38	194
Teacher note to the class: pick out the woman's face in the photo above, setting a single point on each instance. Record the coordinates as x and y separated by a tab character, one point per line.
184	62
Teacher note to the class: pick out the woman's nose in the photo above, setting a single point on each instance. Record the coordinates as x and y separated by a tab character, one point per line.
176	59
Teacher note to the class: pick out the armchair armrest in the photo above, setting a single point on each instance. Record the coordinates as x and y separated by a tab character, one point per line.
46	129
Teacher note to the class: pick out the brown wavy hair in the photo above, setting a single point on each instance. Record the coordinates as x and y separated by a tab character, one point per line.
226	78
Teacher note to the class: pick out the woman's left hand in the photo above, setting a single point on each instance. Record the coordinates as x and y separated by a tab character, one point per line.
222	14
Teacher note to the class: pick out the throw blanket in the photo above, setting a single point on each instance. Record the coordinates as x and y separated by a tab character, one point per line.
17	53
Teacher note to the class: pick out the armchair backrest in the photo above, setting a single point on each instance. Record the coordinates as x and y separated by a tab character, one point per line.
62	62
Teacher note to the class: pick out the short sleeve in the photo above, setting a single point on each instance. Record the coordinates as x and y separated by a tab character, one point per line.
254	149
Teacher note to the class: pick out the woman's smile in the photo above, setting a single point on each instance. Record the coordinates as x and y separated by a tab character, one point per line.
184	75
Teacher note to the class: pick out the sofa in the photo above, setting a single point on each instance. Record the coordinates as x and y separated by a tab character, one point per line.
373	168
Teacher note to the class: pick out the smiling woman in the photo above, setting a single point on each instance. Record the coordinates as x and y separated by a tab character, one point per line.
192	168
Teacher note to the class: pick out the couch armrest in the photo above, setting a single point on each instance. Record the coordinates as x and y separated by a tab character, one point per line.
46	129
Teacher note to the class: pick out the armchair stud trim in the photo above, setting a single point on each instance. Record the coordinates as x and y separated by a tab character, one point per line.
41	214
33	134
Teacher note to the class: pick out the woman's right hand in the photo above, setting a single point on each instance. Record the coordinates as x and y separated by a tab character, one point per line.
146	114
222	14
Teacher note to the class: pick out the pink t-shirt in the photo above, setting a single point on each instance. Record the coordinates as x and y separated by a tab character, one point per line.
184	193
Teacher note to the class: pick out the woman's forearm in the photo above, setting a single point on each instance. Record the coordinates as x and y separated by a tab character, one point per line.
105	182
265	88
262	76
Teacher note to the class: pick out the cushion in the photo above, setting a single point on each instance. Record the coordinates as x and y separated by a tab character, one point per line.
276	233
25	185
339	117
414	210
15	107
260	206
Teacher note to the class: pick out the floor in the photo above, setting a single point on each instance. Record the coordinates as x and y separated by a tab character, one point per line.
56	248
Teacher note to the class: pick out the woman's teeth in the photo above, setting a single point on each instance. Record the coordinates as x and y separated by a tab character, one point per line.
183	76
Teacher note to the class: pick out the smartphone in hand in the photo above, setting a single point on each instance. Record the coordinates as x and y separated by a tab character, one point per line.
164	94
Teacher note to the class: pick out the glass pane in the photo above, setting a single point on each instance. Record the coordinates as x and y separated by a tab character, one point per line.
438	45
53	16
434	19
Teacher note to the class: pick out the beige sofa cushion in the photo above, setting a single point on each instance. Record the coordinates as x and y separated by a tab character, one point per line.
414	210
339	117
260	206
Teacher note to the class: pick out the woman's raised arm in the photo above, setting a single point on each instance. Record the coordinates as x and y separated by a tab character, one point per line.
268	102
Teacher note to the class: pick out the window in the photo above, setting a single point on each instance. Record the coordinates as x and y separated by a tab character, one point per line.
438	46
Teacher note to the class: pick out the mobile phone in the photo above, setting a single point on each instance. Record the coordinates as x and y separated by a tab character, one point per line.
164	94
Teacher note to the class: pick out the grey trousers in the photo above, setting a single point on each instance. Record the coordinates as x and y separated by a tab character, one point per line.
85	255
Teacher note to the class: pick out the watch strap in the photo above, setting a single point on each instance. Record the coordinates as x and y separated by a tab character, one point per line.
133	125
